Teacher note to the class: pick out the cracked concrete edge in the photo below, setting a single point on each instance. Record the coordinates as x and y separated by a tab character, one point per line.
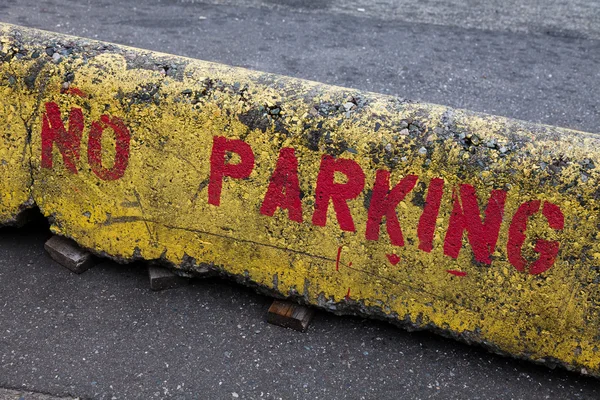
12	394
470	135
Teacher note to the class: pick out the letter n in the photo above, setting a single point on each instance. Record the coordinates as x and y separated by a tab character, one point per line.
482	236
68	142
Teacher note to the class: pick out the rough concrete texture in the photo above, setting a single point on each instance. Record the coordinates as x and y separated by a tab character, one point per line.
474	226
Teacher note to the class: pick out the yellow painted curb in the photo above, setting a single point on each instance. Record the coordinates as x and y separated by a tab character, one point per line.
479	227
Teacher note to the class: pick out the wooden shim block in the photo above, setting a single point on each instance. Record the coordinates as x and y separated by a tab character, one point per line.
68	254
290	315
162	278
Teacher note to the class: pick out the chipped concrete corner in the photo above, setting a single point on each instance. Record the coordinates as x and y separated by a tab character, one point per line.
478	227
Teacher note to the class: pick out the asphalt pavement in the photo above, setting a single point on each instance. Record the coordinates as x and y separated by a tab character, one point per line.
105	335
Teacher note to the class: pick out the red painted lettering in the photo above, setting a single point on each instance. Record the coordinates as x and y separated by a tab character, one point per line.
393	258
482	236
75	91
68	142
384	202
338	193
122	138
456	272
219	167
426	227
547	250
284	188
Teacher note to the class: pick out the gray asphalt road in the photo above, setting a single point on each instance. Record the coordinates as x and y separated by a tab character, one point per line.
573	18
105	335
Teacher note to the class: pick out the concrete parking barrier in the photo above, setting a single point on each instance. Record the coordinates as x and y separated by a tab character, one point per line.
478	227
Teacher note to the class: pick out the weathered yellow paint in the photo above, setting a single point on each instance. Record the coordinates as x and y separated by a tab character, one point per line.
174	107
15	172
